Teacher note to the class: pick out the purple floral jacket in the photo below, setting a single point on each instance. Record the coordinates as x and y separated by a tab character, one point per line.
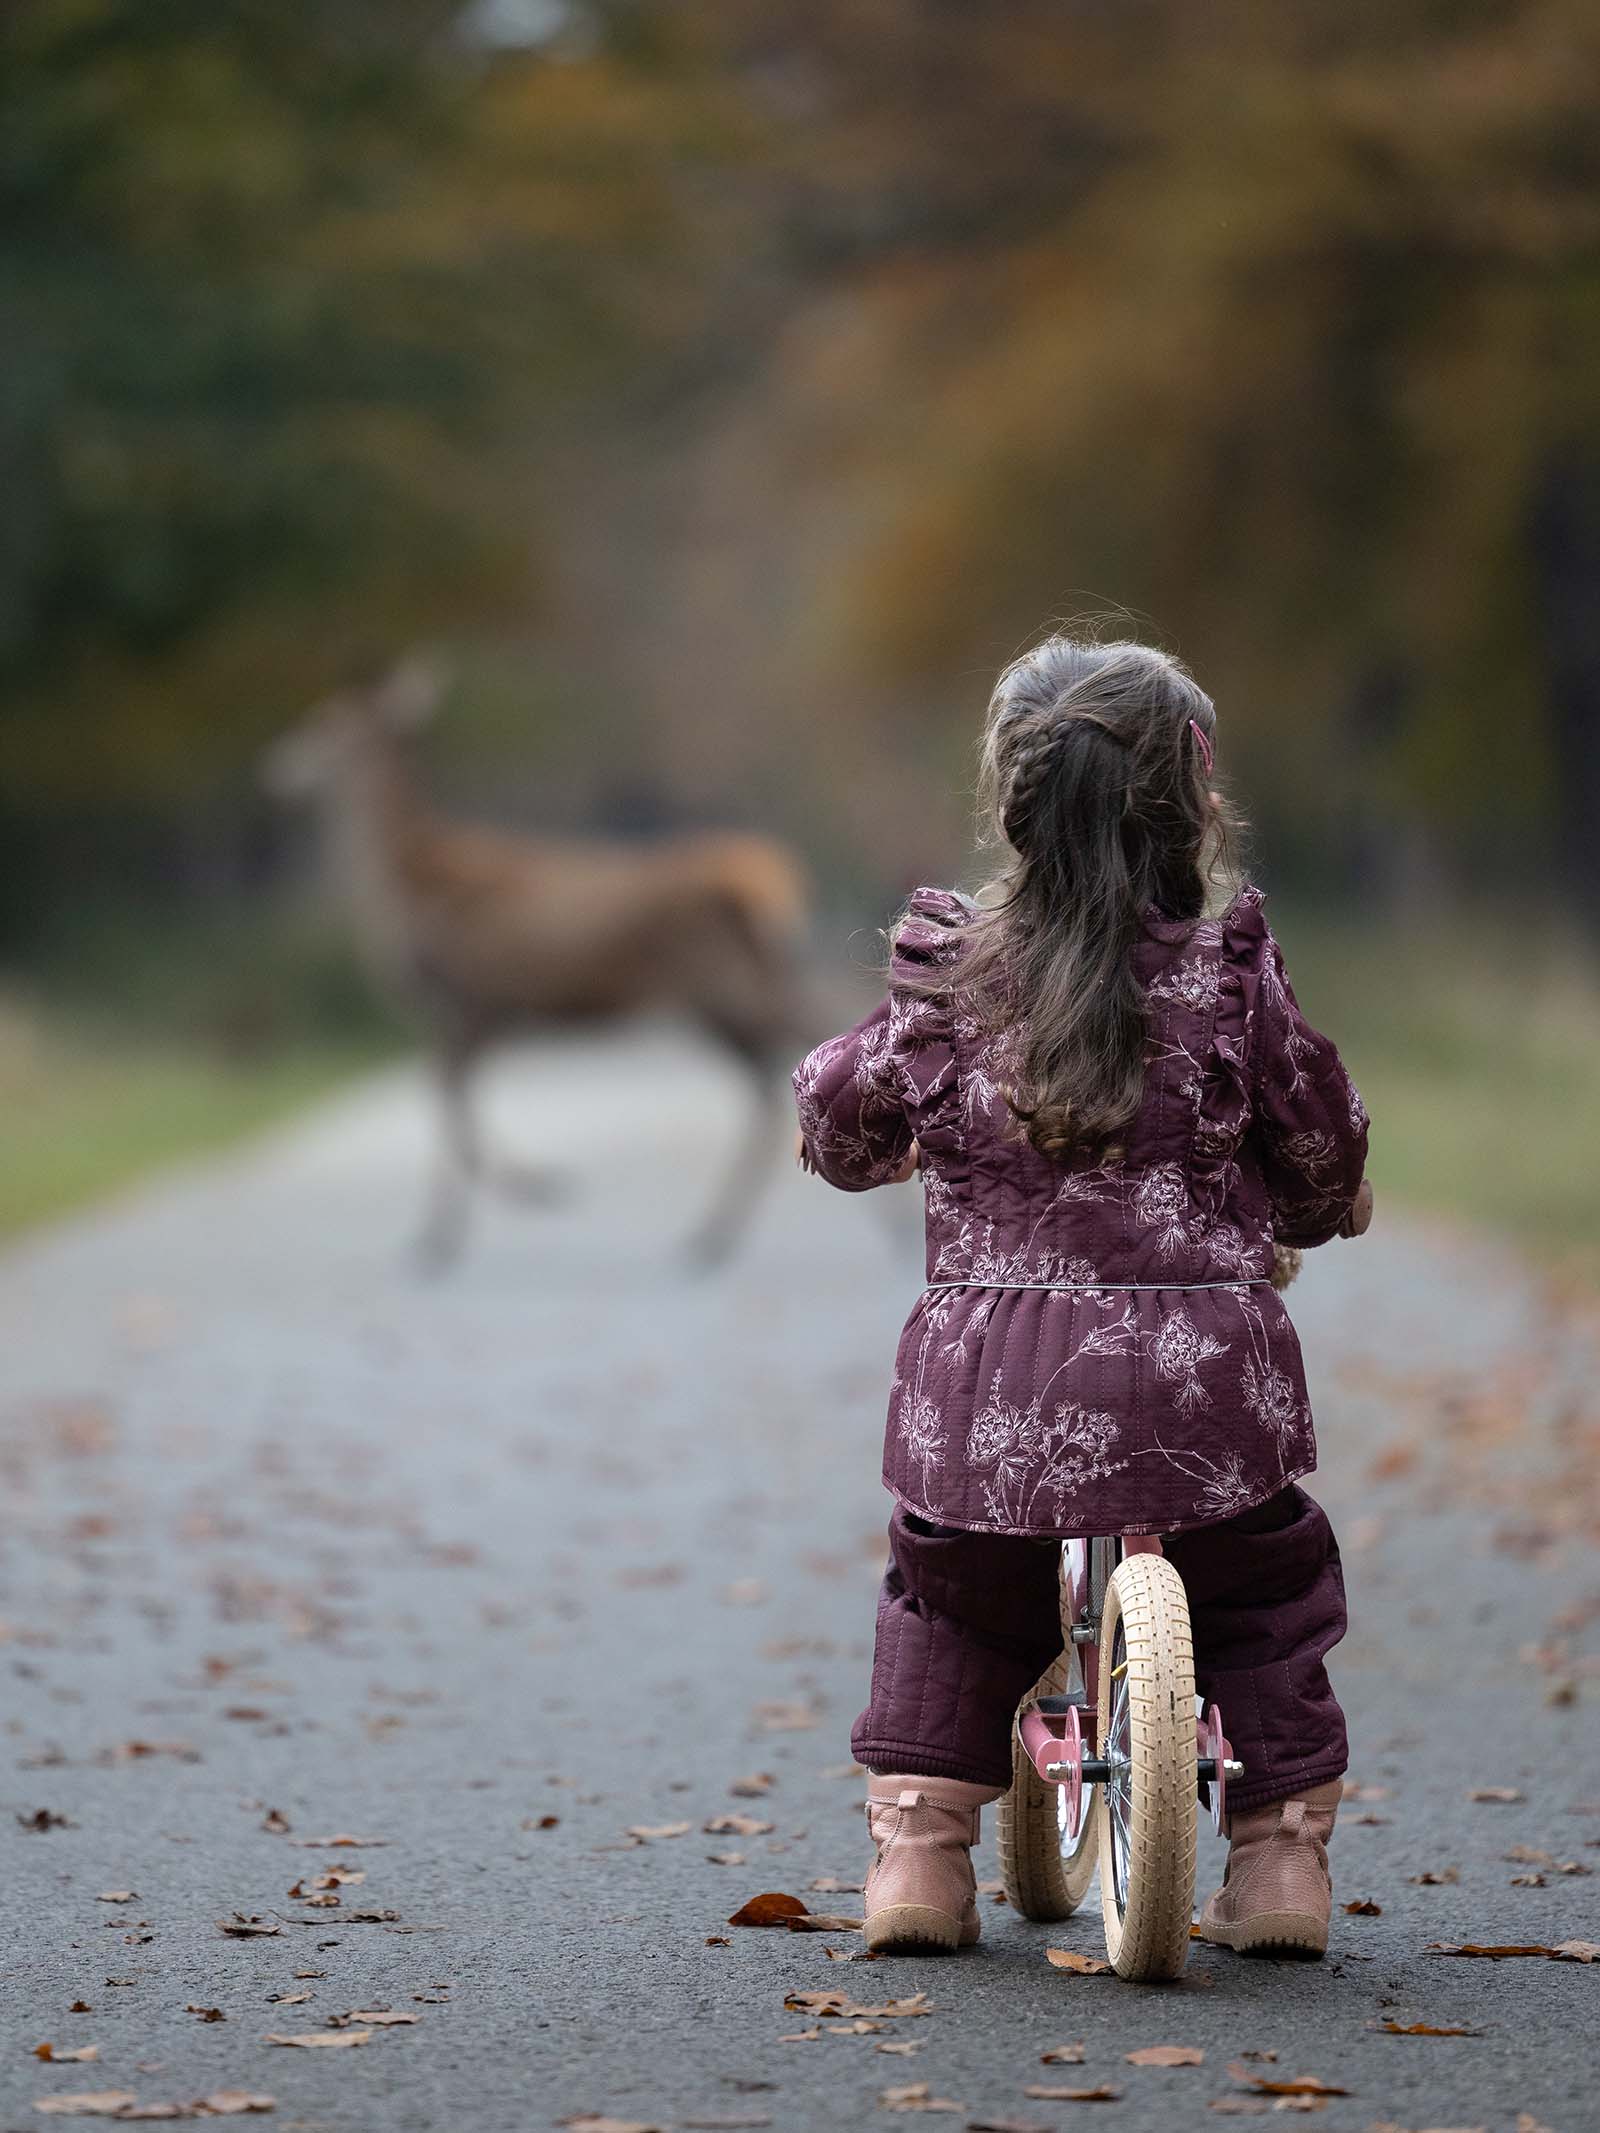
1098	1349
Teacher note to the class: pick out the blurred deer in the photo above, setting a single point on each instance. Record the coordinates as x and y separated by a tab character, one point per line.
484	936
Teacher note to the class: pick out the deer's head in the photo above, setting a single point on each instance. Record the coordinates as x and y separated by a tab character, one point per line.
348	728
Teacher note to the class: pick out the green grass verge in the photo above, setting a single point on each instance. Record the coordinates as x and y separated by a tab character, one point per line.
1477	1056
81	1116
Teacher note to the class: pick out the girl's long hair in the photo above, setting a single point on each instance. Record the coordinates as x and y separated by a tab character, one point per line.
1095	784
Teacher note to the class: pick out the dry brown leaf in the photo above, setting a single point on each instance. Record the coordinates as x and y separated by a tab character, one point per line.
647	1830
1421	2029
231	2103
1166	2055
208	2014
322	2039
1007	2125
1566	1951
88	2103
275	1825
737	1826
374	2018
1062	2055
1102	2092
831	1885
287	1999
1428	1879
917	2096
801	2036
779	1716
900	2048
116	1896
80	2007
725	1859
773	1908
1079	1965
822	1922
80	2054
718	1940
1497	1795
589	2122
541	1821
839	2004
239	1927
852	2029
1364	1907
754	1787
1299	2085
322	1844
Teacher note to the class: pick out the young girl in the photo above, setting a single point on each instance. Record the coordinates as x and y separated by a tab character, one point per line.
1118	1113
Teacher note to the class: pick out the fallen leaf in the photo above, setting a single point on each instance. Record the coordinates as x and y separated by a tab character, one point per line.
116	1896
901	2047
275	1825
322	1844
727	1859
839	2004
80	2054
822	1922
1428	1879
1006	2125
753	1787
771	1909
287	1999
831	1885
1364	1907
1499	1795
374	2018
718	1940
737	1826
587	2122
917	2096
647	1830
541	1822
88	2103
1300	2085
1062	2055
239	1927
1421	2029
801	2036
1365	1792
80	2007
322	2039
1567	1951
230	2103
1528	1881
1102	2092
1166	2055
778	1716
1079	1965
209	2014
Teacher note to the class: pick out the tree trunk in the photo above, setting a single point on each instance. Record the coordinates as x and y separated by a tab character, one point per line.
1565	542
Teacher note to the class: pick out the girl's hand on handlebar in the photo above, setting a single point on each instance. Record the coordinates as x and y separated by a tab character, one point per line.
909	1168
1359	1219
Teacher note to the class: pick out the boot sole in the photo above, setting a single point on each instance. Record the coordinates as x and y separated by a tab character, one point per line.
1297	1935
914	1929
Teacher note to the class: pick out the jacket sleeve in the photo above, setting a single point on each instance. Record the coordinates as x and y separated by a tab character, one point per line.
1311	1124
852	1115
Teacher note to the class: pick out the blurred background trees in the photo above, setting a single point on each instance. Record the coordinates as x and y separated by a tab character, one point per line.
732	388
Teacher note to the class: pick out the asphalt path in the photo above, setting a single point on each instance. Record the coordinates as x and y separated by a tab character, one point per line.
496	1571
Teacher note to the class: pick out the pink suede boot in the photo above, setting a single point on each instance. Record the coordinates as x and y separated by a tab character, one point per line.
921	1895
1277	1892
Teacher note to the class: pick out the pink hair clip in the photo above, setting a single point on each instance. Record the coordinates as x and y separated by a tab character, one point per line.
1206	754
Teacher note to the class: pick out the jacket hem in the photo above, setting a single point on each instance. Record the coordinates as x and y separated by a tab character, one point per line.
894	1757
1089	1528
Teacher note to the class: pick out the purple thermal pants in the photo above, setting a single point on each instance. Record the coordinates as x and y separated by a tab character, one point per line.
968	1622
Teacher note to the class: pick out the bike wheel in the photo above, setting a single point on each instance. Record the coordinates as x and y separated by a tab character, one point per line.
1045	1874
1147	1808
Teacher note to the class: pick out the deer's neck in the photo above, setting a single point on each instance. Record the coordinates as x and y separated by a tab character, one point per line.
377	817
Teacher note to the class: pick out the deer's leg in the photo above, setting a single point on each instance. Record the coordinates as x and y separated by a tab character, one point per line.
729	1213
456	1164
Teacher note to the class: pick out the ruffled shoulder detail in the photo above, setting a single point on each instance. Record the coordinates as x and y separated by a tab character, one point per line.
927	940
1245	931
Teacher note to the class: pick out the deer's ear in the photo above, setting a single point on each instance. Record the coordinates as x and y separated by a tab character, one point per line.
409	694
